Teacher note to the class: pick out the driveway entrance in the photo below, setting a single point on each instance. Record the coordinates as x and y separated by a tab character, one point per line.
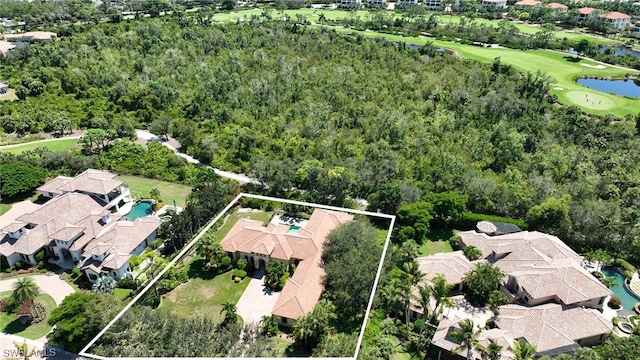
256	300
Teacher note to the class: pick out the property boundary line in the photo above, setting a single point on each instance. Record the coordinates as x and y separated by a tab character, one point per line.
188	247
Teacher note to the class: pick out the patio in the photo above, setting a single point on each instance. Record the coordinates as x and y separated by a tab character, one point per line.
288	220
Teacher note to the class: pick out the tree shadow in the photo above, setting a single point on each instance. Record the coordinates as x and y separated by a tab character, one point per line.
573	59
439	234
198	269
297	350
15	326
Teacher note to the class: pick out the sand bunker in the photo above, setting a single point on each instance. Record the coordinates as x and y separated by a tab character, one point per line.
594	66
558	88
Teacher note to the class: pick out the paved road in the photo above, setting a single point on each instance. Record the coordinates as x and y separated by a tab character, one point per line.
143	134
52	285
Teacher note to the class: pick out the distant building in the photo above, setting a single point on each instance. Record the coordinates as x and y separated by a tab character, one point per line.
5	46
4	88
32	36
557	7
377	3
496	3
528	3
586	13
616	19
350	4
636	29
403	4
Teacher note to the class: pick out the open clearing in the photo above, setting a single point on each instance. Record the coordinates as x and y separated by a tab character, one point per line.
141	187
52	144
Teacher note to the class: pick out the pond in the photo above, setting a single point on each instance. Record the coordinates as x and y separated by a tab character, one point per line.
141	209
621	291
619	50
624	87
416	47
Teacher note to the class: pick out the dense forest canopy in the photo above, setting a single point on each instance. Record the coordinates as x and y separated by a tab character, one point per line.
341	116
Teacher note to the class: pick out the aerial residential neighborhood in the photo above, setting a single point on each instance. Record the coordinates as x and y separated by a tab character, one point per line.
410	179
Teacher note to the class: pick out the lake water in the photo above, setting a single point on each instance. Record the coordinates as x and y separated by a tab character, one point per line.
620	50
618	87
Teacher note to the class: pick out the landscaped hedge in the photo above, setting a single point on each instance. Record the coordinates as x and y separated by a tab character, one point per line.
469	220
628	268
615	303
239	273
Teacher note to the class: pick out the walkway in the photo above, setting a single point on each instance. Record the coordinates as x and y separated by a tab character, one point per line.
256	301
50	284
634	284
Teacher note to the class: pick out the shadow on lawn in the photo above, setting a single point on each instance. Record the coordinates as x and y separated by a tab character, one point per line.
15	327
572	59
197	269
437	234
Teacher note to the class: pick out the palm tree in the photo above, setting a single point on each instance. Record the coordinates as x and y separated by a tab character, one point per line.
480	282
467	336
586	354
439	290
229	309
411	275
25	289
522	350
491	351
303	329
609	282
105	284
472	253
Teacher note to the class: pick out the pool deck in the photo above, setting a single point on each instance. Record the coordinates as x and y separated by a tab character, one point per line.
634	284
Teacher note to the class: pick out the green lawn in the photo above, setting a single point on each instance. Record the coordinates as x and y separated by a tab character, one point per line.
122	294
140	188
203	294
4	208
53	145
10	325
231	219
561	67
437	242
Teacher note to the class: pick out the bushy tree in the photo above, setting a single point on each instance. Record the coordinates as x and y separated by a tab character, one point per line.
480	282
19	178
105	284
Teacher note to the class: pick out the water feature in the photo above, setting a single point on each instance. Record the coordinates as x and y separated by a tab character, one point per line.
619	50
621	291
294	228
141	209
624	87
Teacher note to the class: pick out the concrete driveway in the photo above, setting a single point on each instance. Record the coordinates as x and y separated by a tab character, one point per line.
256	301
52	285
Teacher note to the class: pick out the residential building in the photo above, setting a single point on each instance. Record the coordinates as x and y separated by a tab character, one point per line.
5	46
496	3
403	4
377	3
301	247
636	29
4	88
350	4
79	225
616	19
557	7
585	14
437	4
554	301
31	36
528	3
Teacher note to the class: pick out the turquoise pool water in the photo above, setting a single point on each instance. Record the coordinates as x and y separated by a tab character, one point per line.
621	291
294	228
141	209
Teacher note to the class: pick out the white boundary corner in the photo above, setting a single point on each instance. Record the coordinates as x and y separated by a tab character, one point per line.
188	247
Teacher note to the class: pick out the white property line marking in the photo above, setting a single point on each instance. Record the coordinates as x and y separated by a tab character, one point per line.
83	352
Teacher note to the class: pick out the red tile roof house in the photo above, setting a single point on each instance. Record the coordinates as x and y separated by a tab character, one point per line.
554	299
249	240
77	221
586	13
528	3
616	19
557	7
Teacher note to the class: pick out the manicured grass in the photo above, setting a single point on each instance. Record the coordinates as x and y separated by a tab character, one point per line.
53	145
231	219
10	325
204	293
561	67
141	187
437	242
122	294
4	208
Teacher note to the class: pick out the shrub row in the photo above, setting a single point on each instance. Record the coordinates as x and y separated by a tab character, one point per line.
628	268
469	220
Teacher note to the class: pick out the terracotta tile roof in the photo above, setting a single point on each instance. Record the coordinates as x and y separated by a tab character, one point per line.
14	226
454	266
614	15
92	181
528	3
555	5
585	10
33	35
53	185
5	46
551	327
67	233
302	291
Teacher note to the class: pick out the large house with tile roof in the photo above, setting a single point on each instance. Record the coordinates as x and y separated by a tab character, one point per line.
79	224
555	302
301	247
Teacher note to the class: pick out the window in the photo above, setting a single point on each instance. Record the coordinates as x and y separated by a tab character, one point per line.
93	277
601	301
24	257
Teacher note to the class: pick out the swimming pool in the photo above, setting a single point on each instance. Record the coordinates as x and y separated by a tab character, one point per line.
294	228
628	298
140	209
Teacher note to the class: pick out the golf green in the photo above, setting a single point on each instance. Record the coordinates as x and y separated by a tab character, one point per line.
591	99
